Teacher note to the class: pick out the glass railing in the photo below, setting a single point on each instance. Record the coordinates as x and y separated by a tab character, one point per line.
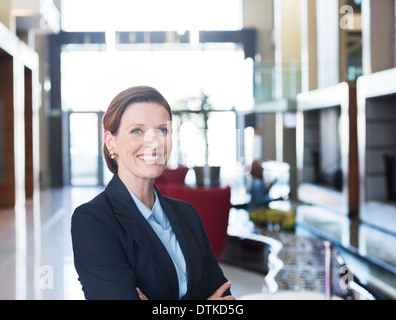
275	81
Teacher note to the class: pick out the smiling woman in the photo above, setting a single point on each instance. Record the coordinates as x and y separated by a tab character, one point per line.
131	242
148	104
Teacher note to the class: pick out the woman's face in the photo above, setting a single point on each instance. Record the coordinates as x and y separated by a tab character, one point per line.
143	141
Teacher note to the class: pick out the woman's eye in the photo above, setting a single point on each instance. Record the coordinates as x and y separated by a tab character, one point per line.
163	130
136	131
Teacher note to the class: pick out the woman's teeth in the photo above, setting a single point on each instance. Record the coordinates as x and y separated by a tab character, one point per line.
148	158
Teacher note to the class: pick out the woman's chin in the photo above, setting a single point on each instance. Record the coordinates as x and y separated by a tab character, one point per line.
154	171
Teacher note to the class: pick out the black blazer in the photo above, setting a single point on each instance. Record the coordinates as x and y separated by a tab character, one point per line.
116	250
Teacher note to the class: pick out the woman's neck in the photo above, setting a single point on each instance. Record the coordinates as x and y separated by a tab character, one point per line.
141	187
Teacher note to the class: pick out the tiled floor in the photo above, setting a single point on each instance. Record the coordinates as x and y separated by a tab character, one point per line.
35	250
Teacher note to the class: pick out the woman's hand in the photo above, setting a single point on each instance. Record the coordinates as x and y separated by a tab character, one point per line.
218	294
141	294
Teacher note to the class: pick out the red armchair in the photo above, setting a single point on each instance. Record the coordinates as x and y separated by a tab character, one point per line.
177	176
212	204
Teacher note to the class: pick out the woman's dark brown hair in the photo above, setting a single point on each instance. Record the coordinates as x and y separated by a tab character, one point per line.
112	118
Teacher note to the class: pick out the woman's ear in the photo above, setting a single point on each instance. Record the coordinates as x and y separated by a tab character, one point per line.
109	140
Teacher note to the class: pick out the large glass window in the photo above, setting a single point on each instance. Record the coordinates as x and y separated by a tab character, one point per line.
91	77
151	15
186	75
84	148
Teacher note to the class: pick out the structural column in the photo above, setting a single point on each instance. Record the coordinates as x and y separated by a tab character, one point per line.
309	42
378	33
328	42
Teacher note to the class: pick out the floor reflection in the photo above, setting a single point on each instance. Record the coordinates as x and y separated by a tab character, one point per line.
35	248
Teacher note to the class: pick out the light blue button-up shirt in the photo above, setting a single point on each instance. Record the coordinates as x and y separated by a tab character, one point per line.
161	226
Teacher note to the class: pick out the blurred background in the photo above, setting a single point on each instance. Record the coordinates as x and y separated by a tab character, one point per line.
303	87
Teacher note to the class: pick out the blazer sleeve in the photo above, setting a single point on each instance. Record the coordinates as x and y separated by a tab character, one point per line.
99	259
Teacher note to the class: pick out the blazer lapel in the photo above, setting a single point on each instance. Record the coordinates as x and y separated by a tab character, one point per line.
187	244
139	229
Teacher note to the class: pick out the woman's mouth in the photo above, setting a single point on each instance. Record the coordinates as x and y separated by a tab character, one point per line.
149	158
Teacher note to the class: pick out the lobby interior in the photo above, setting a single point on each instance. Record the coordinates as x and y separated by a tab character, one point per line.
306	88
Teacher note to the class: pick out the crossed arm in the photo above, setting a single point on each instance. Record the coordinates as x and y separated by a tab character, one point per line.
217	295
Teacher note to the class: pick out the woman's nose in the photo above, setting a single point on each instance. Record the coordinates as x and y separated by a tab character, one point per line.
150	137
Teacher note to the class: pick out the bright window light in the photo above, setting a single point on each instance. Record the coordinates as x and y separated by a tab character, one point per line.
151	15
91	78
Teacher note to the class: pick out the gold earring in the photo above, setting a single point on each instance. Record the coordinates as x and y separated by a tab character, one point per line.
112	154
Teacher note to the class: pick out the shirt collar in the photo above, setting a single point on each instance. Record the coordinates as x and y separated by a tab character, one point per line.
147	212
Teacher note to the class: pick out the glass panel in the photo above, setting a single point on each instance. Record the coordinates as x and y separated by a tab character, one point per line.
222	139
222	145
192	140
275	81
84	154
